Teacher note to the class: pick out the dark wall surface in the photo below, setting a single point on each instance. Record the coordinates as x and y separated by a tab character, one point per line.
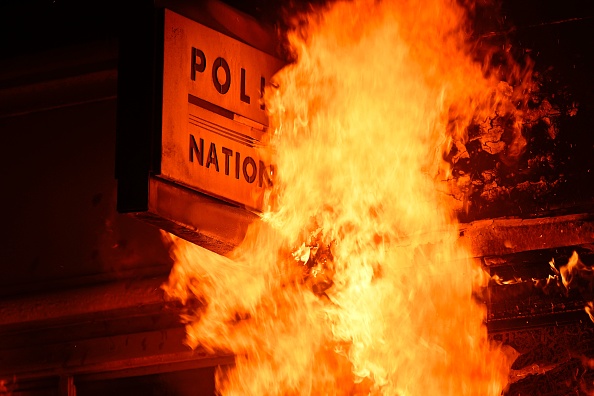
59	203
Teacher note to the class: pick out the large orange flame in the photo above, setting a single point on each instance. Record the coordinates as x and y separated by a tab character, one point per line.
354	283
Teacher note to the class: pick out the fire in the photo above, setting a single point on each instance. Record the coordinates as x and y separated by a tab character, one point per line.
354	283
580	276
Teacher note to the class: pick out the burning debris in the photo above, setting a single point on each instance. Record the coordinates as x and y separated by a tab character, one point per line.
568	287
316	259
575	275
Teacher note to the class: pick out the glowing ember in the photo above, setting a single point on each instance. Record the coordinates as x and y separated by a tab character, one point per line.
353	283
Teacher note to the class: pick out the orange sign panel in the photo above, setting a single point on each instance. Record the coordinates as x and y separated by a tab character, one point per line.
214	119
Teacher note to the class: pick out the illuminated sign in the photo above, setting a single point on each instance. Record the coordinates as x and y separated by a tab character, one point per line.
214	119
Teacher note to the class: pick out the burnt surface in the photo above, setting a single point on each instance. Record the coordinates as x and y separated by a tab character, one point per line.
527	288
529	307
554	174
553	361
543	319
